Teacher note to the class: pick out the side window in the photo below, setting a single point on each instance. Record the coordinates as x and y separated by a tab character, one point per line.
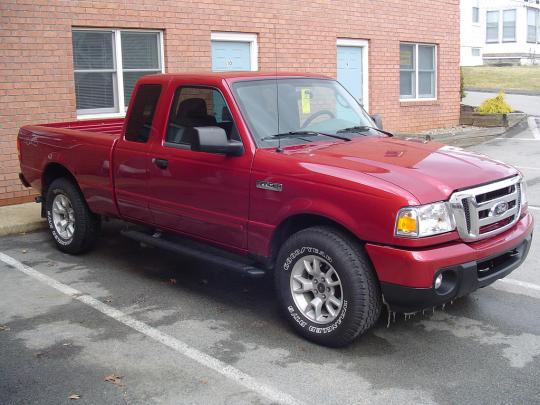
198	107
142	113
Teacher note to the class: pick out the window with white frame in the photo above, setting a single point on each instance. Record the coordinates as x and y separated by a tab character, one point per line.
509	26
417	74
533	25
107	64
475	51
475	15
492	26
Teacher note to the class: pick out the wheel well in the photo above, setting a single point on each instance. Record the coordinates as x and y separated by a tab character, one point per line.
298	222
52	172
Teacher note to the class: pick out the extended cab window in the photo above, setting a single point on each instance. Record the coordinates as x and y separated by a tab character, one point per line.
142	114
198	107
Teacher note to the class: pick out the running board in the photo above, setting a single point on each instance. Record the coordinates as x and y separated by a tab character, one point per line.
199	251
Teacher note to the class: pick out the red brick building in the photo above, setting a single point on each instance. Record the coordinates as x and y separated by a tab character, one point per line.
62	60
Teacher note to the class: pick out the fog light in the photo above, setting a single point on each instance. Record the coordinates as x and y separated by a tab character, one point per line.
438	281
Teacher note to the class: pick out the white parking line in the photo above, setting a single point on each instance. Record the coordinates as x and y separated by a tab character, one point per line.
523	284
518	139
533	126
204	359
528	167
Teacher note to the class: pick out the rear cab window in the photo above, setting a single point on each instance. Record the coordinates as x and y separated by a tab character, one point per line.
142	113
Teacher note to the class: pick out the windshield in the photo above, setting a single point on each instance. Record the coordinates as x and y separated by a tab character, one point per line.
309	110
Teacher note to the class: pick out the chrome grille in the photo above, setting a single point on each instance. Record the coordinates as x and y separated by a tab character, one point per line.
484	211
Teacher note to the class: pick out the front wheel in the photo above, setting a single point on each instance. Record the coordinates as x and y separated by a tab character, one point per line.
326	286
73	227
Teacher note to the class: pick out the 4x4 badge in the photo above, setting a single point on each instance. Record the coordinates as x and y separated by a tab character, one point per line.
267	185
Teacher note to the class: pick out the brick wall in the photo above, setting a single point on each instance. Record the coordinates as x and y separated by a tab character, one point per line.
36	68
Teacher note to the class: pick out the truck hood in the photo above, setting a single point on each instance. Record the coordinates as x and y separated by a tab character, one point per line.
430	171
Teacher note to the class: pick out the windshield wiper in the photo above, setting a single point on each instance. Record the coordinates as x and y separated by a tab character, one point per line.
362	128
300	134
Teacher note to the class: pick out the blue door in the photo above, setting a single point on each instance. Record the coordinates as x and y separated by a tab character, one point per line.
349	70
229	56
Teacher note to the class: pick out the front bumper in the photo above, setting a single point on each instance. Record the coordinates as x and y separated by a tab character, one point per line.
407	276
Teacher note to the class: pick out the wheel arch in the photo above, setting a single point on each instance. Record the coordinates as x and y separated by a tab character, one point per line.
298	222
55	171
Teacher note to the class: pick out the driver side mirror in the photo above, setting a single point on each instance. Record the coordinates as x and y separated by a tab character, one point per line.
378	120
214	140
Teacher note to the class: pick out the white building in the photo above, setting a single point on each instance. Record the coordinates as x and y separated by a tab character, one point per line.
500	32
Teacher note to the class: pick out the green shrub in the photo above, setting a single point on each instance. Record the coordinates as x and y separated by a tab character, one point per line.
495	105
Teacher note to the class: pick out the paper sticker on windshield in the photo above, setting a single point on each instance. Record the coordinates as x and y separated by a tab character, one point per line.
306	101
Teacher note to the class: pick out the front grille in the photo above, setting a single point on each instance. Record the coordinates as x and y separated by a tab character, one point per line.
484	211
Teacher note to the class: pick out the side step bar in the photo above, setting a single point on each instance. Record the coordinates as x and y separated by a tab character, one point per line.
202	252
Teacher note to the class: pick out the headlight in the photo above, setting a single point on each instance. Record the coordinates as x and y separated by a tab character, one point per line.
424	220
523	198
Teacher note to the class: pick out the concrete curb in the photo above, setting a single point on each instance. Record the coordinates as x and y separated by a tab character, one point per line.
20	218
472	138
517	92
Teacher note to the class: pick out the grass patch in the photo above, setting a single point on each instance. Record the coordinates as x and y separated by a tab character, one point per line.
503	77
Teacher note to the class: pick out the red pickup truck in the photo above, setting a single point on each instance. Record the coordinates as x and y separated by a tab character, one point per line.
285	175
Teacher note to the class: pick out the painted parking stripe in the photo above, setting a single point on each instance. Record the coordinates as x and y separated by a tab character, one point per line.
523	284
533	126
204	359
527	167
518	139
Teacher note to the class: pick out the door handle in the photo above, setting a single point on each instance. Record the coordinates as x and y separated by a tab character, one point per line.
161	163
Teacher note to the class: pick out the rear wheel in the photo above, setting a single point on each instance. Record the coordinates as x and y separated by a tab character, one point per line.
326	286
73	227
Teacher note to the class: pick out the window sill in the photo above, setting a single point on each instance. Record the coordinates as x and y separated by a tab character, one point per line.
99	116
509	41
418	102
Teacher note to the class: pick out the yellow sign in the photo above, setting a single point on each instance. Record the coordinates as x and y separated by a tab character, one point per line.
306	101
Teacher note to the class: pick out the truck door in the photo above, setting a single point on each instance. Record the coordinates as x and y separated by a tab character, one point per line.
197	193
131	159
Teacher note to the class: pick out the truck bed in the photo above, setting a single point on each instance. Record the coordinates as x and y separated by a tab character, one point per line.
83	147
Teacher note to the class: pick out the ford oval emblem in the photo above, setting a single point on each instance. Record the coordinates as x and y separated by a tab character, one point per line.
499	209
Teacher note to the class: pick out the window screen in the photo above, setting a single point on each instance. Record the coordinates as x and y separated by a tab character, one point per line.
108	63
95	71
140	57
417	71
509	25
492	26
407	73
475	14
533	25
142	113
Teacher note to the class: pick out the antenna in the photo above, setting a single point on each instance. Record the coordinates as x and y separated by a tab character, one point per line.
277	86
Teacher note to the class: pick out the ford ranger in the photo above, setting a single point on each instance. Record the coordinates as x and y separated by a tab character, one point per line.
285	175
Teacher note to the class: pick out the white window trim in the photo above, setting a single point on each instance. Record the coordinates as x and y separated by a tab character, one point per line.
417	70
119	78
364	44
241	37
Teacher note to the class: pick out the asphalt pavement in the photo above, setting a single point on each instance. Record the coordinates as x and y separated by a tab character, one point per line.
125	324
529	104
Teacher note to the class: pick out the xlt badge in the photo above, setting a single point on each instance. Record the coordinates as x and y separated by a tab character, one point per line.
267	185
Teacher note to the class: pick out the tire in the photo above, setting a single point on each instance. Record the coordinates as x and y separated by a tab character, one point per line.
352	283
64	203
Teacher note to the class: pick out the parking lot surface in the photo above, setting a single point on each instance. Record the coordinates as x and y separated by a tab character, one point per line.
131	324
